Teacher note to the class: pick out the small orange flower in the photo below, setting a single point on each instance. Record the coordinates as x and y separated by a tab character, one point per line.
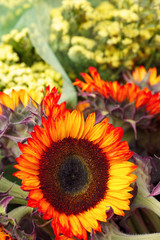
4	235
140	73
11	101
74	171
95	83
130	92
50	103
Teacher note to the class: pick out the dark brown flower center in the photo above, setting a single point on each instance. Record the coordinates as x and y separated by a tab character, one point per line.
73	175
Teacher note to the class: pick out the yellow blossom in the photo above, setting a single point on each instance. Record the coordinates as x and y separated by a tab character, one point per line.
126	15
87	43
7	54
127	41
145	34
78	53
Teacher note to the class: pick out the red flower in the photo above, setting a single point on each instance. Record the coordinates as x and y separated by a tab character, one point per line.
50	103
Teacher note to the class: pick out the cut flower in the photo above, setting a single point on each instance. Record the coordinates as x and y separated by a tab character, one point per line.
13	100
75	171
4	235
140	73
50	103
16	120
93	84
143	78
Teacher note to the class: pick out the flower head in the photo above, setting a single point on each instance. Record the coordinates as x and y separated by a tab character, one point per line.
75	171
50	103
140	76
13	100
94	84
4	235
140	73
16	120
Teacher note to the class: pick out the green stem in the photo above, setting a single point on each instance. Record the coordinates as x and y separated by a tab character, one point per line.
113	233
152	219
153	236
131	226
138	222
19	212
147	202
18	194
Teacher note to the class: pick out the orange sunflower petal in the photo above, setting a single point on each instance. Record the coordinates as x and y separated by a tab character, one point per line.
6	100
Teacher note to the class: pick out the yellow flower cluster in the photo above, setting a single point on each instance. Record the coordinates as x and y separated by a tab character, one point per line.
21	44
12	4
22	68
113	35
7	54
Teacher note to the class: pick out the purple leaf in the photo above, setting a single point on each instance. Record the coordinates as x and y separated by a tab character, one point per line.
24	121
5	201
16	139
155	191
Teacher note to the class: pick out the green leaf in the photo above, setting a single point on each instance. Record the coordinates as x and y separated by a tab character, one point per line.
2	210
16	192
38	25
19	212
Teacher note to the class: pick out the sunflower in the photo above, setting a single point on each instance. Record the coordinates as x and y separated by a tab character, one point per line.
74	171
140	73
145	79
4	235
129	93
50	103
11	101
93	84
